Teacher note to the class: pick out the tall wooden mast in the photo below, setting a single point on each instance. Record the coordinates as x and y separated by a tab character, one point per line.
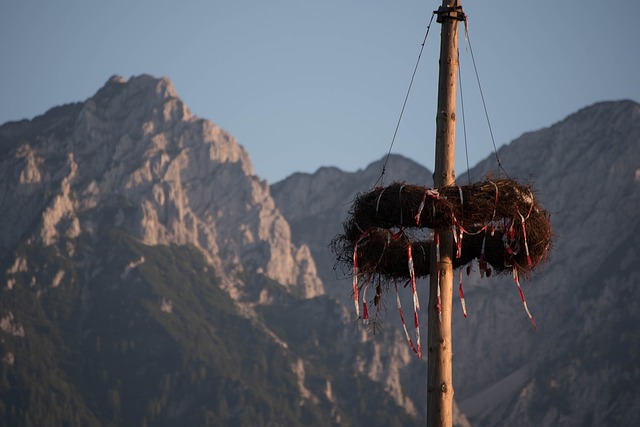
439	379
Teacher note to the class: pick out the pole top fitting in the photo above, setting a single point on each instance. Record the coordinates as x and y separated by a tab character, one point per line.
454	13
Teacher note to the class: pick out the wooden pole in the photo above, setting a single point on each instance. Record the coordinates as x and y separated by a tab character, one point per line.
439	378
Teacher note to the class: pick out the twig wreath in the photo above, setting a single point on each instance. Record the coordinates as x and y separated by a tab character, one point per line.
497	222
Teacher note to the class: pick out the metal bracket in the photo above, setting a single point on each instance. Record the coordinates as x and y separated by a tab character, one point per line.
454	13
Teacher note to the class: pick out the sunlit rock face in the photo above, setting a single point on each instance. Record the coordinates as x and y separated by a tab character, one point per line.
133	156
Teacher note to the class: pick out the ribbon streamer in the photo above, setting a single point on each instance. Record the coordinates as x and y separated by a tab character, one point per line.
365	308
404	326
524	302
355	279
428	192
416	302
464	305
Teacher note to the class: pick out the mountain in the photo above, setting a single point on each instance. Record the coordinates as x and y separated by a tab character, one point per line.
581	367
137	141
150	279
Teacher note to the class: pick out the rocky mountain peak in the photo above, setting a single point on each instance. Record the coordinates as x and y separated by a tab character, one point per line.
159	97
136	151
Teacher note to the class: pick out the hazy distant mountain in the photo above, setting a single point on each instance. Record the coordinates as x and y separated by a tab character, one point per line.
582	366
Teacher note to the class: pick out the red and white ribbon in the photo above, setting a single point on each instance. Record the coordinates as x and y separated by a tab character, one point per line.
464	305
524	302
365	308
416	302
404	326
428	192
355	280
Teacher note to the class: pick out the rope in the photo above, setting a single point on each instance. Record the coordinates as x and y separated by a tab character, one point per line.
404	104
464	122
495	149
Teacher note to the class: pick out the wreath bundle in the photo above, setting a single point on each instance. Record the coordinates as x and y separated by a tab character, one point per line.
390	232
497	222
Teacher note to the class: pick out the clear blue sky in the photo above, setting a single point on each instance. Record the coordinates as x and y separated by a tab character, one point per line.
303	84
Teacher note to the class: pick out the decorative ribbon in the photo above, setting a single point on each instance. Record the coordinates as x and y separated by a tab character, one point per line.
365	308
524	302
414	290
428	192
404	326
416	302
464	305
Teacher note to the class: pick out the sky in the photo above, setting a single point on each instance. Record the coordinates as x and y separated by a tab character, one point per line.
304	84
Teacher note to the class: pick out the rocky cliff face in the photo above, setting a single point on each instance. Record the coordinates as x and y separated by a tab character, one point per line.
169	177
